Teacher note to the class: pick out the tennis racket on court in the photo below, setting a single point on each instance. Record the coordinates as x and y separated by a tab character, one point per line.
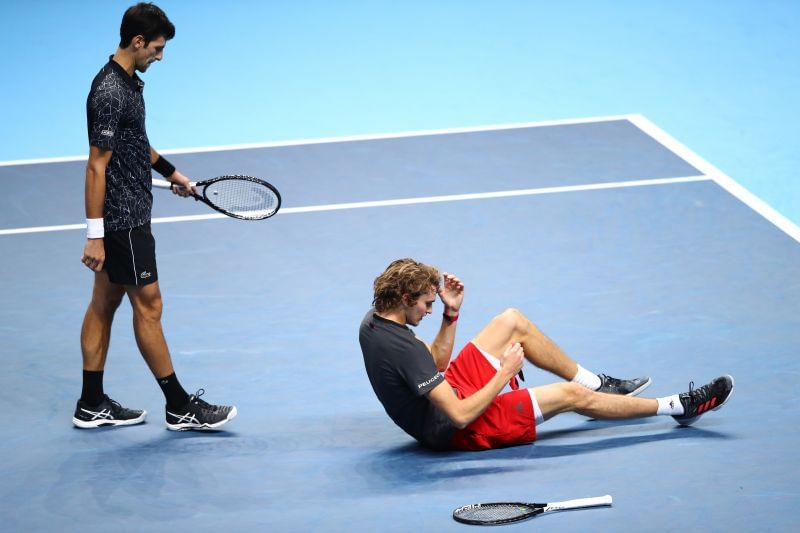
242	197
491	514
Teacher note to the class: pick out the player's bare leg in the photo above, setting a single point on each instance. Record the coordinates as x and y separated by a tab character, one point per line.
96	329
147	308
512	326
571	397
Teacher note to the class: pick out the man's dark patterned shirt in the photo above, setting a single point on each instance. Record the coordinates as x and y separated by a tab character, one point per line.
115	116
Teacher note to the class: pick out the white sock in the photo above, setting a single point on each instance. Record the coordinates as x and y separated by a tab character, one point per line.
670	405
588	379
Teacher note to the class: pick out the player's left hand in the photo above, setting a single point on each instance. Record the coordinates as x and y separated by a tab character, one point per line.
184	185
452	294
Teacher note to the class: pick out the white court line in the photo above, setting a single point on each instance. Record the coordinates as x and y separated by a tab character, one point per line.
403	201
726	182
638	120
351	138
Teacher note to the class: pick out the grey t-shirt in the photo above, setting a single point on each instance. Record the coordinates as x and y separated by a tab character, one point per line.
402	372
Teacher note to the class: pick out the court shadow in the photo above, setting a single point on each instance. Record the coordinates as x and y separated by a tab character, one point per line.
545	450
412	465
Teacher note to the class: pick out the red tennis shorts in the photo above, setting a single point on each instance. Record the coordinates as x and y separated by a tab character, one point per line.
509	419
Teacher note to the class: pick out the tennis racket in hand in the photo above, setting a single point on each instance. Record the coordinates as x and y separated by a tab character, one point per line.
243	197
490	514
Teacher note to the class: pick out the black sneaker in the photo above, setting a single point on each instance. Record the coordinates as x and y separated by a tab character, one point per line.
199	414
107	413
625	387
709	397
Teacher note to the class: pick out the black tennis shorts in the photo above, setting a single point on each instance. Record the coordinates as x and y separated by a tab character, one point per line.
131	256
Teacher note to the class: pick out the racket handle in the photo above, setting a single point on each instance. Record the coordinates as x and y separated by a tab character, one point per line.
596	501
164	184
580	502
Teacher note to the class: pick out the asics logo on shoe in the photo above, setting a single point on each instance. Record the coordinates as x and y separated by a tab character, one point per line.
188	418
95	415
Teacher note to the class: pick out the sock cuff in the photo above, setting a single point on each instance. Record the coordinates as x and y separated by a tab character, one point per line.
670	405
590	380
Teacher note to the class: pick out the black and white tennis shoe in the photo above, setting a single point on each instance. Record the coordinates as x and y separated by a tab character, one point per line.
107	413
624	387
199	415
709	397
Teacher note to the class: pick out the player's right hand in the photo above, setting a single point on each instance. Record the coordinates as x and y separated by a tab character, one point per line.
512	360
94	254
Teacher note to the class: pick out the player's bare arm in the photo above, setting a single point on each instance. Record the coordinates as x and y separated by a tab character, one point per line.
452	295
94	252
464	412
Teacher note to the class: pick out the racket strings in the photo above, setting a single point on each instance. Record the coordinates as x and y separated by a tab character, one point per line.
244	198
490	513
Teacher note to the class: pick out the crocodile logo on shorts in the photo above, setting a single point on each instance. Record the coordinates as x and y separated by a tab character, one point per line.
145	274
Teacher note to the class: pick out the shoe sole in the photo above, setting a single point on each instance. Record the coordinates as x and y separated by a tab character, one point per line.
202	427
716	408
91	424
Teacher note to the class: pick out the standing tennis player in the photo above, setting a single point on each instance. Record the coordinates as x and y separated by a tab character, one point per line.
120	248
459	404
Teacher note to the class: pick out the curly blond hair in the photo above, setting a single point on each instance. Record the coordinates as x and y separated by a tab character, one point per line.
403	276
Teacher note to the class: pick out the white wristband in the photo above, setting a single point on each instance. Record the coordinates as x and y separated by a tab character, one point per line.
94	228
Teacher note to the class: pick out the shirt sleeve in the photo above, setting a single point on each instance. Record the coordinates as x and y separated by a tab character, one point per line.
104	111
419	370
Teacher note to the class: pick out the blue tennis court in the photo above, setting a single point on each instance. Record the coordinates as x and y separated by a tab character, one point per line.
622	172
631	252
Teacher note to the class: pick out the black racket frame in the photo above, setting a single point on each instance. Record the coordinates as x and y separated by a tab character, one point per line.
207	183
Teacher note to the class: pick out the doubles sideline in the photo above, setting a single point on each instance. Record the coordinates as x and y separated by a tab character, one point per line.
396	202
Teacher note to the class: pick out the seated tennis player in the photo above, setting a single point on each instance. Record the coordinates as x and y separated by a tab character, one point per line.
459	404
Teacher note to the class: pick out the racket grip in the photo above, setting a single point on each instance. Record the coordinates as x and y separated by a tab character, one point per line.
164	184
578	503
589	502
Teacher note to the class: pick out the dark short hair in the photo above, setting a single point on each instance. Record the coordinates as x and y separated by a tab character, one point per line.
147	20
401	277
